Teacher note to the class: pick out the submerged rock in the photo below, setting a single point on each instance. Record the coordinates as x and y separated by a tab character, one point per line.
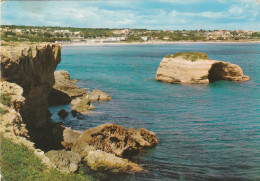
66	161
114	139
196	67
63	114
102	161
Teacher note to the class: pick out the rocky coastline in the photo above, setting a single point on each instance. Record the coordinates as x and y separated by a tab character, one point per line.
29	80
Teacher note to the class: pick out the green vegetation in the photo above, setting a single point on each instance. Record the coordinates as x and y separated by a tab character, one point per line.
5	99
3	111
18	163
192	56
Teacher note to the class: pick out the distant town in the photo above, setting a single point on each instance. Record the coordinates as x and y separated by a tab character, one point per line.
102	35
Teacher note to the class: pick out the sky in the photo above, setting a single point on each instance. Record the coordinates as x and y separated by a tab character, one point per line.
148	14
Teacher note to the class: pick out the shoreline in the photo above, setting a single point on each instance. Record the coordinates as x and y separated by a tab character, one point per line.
158	43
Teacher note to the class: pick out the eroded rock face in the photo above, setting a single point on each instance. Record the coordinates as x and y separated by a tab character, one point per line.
32	68
102	161
199	71
114	139
66	161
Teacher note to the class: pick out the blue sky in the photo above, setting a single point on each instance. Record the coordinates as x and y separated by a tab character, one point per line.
150	14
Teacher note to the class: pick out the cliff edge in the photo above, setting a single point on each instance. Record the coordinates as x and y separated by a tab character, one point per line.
32	68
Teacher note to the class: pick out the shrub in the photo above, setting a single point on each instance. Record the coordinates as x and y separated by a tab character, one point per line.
5	99
3	111
192	56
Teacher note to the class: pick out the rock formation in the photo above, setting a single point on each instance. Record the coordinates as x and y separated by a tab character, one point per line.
102	161
197	68
114	139
64	84
69	138
65	91
98	95
82	105
66	161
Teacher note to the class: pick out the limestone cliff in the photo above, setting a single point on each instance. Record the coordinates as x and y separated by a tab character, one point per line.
195	67
32	68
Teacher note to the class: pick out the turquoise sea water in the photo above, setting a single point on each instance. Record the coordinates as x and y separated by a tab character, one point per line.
206	132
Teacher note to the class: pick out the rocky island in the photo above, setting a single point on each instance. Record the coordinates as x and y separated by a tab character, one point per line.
29	85
197	68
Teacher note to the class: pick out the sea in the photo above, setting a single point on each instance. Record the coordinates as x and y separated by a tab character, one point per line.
206	132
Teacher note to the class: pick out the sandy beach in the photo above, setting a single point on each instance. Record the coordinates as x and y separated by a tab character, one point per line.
156	43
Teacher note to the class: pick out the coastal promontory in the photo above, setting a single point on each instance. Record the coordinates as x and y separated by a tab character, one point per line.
197	68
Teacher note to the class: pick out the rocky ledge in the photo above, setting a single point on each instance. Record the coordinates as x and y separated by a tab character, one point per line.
66	91
197	68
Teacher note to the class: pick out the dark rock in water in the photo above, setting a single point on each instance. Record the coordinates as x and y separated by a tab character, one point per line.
69	138
66	161
57	97
114	139
74	113
63	114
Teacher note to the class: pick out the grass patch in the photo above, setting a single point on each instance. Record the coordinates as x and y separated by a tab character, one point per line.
192	56
5	99
18	164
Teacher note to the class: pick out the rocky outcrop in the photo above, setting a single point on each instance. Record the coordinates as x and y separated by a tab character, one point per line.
114	139
98	95
69	138
64	84
102	161
82	105
196	68
66	161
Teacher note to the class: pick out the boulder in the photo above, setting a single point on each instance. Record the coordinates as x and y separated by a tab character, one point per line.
102	161
66	161
63	114
196	67
98	95
83	106
143	137
114	139
69	138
